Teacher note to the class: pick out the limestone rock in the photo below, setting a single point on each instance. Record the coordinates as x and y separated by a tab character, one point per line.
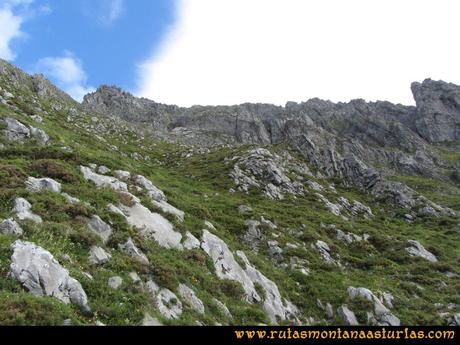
166	301
36	185
150	321
347	316
103	181
190	298
15	130
38	271
130	248
98	256
40	135
223	308
114	282
191	242
100	228
22	209
10	227
416	249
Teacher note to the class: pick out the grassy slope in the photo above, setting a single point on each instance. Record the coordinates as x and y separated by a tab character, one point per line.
199	185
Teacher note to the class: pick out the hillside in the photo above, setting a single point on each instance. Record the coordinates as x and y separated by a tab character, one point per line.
123	211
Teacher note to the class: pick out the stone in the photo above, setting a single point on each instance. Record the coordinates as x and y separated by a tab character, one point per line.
102	169
191	242
114	282
154	192
347	316
190	298
416	249
243	209
122	175
329	311
40	135
72	200
130	249
10	227
333	208
148	320
37	118
100	228
166	301
39	272
381	313
209	225
135	278
223	308
22	209
36	185
103	181
253	235
325	252
152	225
98	256
15	130
349	238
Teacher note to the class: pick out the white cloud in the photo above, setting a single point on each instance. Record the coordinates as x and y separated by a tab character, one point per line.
233	51
10	25
111	10
10	28
68	74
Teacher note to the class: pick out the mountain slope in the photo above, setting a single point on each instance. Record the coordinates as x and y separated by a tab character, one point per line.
309	202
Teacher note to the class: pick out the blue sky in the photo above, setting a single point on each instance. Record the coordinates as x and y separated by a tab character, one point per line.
189	52
106	38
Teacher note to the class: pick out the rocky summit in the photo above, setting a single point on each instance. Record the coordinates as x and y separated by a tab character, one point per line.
123	211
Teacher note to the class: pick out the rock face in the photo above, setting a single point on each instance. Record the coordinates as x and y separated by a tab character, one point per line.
416	249
42	184
15	130
438	110
38	271
22	209
341	140
10	227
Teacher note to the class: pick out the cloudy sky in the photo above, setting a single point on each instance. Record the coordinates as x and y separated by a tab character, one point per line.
233	51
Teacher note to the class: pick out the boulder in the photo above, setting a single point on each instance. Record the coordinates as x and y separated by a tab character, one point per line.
114	282
40	135
98	256
148	320
122	175
347	316
36	185
100	228
190	298
416	249
38	271
191	242
243	209
10	227
103	170
15	130
130	249
22	209
223	308
166	301
103	181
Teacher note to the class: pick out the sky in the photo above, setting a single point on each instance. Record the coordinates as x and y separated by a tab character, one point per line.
213	52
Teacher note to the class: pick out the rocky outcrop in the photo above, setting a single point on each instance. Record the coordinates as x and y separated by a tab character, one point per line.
130	249
190	298
166	301
438	111
347	316
38	271
103	181
23	211
98	256
100	228
14	130
35	185
10	227
381	315
228	268
416	249
260	168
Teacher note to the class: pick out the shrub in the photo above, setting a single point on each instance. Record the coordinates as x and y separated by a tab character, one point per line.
53	169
